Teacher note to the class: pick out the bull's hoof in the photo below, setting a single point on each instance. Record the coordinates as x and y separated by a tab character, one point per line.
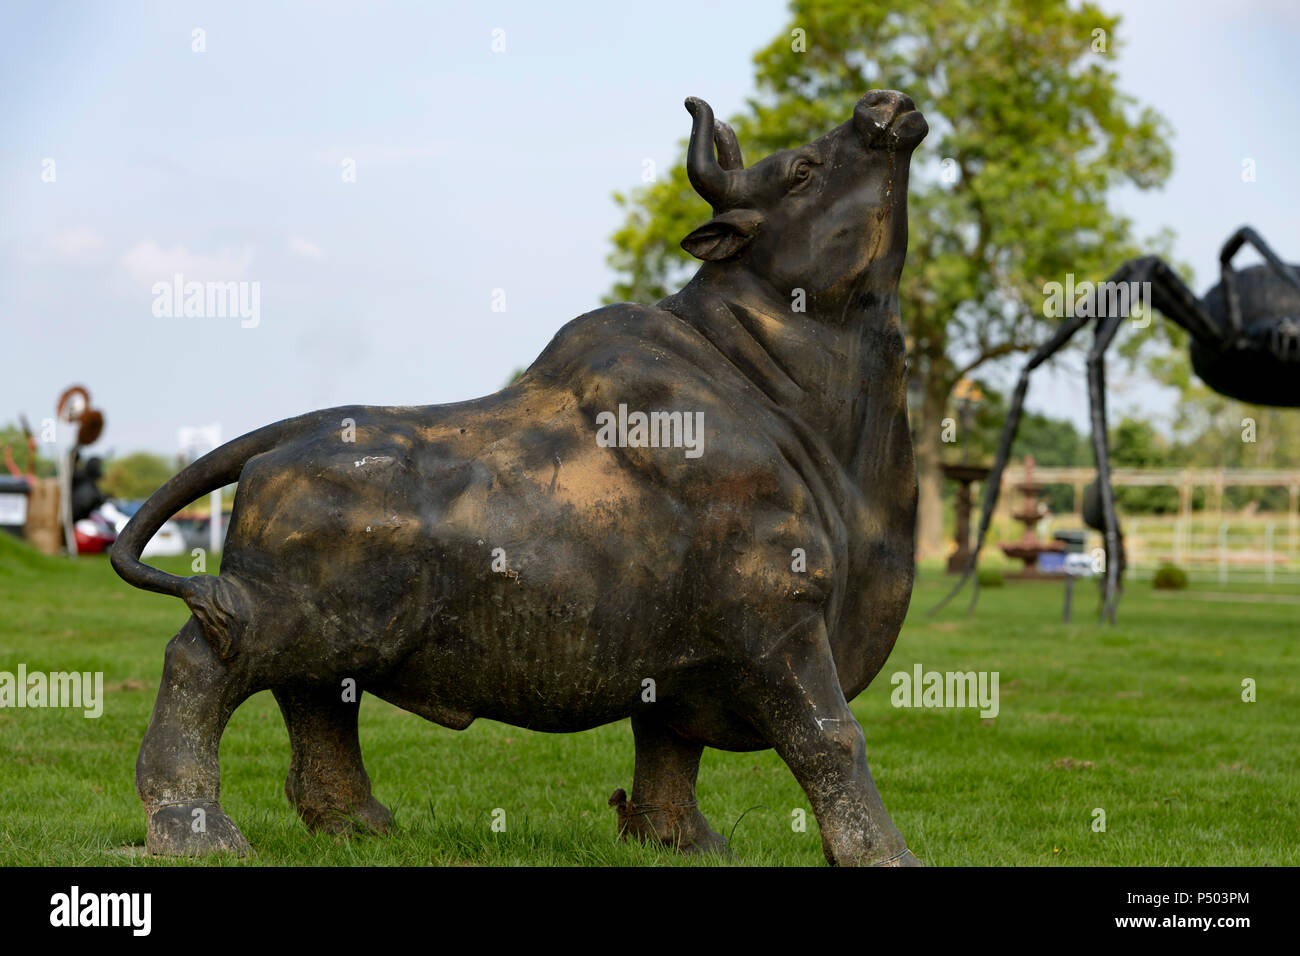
376	817
903	859
708	843
371	818
192	829
681	827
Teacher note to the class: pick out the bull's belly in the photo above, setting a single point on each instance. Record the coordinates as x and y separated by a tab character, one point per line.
564	677
536	655
549	680
509	652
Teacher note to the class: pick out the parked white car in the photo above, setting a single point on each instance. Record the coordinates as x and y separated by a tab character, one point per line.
168	542
1080	565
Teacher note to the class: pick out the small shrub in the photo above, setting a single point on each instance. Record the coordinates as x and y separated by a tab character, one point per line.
990	578
1170	578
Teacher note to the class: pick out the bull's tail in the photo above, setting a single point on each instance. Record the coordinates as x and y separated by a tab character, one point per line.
215	469
220	604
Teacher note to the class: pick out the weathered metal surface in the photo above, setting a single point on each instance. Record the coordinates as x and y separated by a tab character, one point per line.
499	558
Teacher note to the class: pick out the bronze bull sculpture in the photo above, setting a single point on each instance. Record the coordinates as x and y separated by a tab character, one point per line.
713	497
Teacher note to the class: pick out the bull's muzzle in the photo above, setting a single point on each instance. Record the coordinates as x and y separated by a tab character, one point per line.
884	117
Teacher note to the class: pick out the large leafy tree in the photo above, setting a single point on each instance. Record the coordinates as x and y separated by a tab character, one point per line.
1029	133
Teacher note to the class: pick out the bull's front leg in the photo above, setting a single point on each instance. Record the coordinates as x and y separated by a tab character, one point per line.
795	701
663	808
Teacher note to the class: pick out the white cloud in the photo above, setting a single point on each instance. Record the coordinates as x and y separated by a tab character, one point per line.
77	242
304	247
149	262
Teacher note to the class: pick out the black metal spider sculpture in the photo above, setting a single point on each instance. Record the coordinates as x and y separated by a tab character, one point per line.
1245	343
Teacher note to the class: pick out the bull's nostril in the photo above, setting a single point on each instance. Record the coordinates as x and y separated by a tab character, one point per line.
900	102
881	99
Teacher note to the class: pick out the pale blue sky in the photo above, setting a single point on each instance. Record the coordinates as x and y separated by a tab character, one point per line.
475	171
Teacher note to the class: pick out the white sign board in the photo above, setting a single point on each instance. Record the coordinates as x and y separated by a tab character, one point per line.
13	509
196	440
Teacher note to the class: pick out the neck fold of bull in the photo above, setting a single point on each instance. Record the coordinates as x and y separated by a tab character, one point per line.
839	367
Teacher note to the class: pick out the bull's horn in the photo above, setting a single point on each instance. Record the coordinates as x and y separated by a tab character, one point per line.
728	149
711	181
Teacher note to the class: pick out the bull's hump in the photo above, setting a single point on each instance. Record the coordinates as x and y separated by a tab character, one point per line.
614	335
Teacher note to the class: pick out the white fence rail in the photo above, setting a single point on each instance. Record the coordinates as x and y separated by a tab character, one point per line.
1230	550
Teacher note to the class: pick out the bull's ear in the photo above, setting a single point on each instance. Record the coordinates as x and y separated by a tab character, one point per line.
725	235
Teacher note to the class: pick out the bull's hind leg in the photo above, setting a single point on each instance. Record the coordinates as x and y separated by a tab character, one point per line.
794	700
177	773
327	783
662	808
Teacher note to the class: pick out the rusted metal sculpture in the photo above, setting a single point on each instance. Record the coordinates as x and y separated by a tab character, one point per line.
1245	344
698	515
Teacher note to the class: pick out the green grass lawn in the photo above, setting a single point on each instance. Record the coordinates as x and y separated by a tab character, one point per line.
1144	721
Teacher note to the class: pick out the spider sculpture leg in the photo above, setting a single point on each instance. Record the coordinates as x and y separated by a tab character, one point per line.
1064	332
1173	299
1101	453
